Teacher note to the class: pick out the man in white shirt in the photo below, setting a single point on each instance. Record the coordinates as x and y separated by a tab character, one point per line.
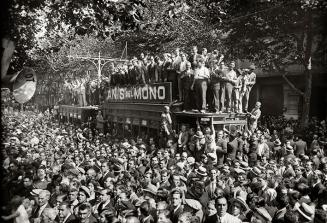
222	216
231	78
180	71
200	84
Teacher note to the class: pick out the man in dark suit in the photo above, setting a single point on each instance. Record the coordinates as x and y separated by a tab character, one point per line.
164	183
43	199
105	173
153	70
283	203
26	187
64	214
317	187
300	146
221	148
176	206
232	145
299	179
105	202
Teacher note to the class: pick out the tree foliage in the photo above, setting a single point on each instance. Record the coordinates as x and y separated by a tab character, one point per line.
272	33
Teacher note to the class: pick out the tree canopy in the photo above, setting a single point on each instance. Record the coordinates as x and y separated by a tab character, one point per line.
272	33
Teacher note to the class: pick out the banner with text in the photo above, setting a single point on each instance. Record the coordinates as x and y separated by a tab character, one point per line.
151	93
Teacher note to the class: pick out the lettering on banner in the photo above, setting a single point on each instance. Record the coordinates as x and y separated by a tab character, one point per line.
137	93
154	93
145	93
161	93
121	94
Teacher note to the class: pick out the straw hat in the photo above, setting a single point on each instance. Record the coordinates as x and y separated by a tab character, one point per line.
256	171
85	190
201	171
194	204
240	201
277	142
151	189
263	213
306	211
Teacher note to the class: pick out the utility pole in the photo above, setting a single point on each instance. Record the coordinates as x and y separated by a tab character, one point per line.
99	62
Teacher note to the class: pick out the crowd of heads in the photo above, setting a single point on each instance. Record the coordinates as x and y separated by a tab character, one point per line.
64	173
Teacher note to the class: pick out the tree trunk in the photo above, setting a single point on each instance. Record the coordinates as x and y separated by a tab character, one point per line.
308	74
306	99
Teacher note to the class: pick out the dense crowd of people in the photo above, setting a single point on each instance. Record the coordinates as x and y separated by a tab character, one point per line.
55	172
216	84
